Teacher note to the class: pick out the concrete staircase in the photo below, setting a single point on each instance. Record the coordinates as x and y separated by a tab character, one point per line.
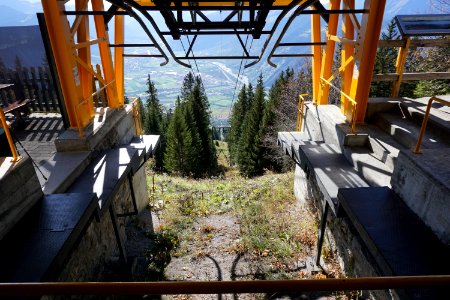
397	202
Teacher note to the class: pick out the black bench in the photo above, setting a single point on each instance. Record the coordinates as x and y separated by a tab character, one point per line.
397	239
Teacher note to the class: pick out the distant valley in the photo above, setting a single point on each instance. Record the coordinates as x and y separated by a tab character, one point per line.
219	77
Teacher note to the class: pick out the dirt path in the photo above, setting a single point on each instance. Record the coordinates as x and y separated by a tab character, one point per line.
227	229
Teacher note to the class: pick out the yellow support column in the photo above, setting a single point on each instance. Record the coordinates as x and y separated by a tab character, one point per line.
400	67
348	50
105	55
366	52
84	53
317	55
65	57
118	57
328	57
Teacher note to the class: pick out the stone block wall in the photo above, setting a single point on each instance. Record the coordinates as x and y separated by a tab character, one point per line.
98	246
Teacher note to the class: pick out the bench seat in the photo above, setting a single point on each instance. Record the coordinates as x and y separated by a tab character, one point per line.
39	245
399	242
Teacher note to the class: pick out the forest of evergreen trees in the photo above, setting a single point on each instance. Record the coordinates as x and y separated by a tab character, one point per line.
186	144
186	133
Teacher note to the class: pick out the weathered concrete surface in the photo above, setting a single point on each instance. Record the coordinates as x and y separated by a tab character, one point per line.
321	121
62	169
378	105
341	237
423	182
110	127
19	191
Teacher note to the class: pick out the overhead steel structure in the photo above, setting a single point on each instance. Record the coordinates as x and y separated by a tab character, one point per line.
70	40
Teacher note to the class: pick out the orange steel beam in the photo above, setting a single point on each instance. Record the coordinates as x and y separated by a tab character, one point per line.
222	287
348	32
12	147
105	54
328	56
65	57
118	58
84	54
365	58
317	55
222	3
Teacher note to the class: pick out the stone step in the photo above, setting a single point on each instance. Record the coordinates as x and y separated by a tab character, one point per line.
105	174
39	245
397	239
406	132
326	164
62	169
146	145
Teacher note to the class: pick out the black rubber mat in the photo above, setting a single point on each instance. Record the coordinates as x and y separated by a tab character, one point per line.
398	240
37	247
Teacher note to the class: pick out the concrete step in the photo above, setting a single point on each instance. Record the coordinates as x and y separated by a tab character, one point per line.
373	170
326	164
400	245
40	244
406	132
62	169
105	174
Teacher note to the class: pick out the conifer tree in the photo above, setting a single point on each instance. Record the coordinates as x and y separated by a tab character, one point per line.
187	87
153	122
198	106
385	62
179	149
237	117
250	158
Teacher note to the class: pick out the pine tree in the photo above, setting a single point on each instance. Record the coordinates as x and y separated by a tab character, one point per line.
237	117
187	87
179	149
385	62
250	158
153	122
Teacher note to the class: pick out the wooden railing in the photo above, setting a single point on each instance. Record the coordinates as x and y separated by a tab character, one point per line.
404	45
35	84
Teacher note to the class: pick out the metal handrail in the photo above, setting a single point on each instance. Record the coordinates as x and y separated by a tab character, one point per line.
352	101
425	121
222	287
137	118
8	136
300	112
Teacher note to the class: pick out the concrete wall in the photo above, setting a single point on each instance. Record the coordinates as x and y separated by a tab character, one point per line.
20	190
423	182
98	247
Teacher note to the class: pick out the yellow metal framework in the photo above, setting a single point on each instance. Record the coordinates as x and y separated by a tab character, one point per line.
300	112
71	42
425	121
359	45
5	126
136	107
